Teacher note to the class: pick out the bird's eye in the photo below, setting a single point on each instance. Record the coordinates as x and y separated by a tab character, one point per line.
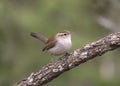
65	34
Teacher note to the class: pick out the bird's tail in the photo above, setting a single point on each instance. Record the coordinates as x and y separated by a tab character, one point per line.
39	37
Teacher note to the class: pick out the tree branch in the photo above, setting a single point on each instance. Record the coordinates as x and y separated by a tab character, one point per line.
69	61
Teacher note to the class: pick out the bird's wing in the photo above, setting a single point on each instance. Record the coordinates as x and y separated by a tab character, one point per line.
49	45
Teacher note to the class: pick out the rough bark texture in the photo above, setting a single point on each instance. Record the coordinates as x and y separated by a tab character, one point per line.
69	61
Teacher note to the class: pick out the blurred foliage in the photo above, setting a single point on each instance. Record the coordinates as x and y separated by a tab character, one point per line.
21	54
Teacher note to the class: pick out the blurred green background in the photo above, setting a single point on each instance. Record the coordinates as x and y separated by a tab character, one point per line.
88	20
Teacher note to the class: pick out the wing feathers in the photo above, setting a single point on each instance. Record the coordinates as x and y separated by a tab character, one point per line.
49	45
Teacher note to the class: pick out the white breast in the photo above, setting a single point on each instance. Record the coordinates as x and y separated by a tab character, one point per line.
61	47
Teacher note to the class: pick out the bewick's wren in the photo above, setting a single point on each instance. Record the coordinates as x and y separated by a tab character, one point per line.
56	45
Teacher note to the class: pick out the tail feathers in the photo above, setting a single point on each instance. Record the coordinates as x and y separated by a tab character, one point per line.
39	37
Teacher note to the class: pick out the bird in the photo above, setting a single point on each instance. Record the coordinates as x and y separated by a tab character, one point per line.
56	45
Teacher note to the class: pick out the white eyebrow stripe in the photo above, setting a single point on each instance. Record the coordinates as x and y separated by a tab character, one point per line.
60	34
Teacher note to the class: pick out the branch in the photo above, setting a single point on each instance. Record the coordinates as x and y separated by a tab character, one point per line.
69	61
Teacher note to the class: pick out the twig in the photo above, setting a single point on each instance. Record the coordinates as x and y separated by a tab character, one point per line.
107	23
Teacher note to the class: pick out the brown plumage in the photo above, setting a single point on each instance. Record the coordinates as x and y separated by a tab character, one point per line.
49	44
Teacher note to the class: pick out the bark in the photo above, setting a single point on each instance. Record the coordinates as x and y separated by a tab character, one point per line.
71	60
